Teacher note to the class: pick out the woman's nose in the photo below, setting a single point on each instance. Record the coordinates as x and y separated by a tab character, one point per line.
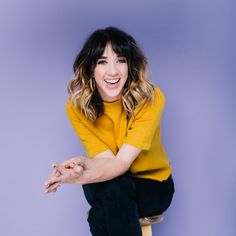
112	70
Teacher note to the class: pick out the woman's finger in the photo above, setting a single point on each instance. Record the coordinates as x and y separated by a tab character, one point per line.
72	165
67	163
52	188
52	180
56	173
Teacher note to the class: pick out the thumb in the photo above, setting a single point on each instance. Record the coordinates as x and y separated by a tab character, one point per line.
78	169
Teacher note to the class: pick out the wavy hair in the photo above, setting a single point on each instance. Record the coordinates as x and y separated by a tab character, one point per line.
137	89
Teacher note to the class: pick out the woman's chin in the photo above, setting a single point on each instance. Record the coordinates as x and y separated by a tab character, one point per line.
111	97
110	94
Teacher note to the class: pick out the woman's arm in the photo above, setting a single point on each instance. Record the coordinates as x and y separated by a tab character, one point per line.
102	167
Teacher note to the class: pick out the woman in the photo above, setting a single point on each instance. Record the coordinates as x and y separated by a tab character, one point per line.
116	112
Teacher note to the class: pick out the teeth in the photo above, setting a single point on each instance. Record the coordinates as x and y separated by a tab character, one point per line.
111	81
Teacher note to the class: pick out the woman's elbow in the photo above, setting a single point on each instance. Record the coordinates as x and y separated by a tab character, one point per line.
123	166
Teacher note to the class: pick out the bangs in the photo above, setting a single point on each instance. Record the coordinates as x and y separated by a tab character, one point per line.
119	42
121	48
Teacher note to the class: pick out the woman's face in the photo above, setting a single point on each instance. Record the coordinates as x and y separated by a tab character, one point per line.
110	73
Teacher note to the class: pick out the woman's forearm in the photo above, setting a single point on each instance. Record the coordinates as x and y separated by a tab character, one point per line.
103	169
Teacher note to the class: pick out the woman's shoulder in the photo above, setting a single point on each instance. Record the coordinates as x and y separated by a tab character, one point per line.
158	93
157	102
69	106
73	111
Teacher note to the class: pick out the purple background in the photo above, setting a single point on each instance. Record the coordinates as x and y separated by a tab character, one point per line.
191	50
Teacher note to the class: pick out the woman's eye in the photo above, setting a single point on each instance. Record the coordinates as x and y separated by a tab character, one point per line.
101	62
122	60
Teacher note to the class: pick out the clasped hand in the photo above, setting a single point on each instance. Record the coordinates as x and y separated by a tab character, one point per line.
70	171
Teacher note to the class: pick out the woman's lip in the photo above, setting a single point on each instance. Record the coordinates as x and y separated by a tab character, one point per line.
112	85
112	80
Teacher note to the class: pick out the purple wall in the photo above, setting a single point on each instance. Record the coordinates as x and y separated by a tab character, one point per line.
191	49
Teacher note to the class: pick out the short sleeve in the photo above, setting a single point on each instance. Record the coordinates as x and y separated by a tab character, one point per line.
146	122
92	143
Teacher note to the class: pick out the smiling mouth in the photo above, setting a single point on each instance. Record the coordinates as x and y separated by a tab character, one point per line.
112	81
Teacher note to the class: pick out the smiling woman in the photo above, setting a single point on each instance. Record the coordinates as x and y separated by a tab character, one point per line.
116	112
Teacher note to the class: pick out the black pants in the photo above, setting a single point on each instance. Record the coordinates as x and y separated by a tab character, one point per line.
117	204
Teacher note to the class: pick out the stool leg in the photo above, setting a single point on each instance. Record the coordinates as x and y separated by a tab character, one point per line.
147	230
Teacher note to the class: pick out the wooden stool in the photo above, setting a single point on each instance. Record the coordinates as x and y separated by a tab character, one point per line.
146	224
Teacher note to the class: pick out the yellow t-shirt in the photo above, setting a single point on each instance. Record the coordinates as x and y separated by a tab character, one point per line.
112	130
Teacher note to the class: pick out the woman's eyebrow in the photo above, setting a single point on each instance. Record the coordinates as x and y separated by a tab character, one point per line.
103	57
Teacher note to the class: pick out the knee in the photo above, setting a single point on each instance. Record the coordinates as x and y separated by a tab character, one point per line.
120	187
